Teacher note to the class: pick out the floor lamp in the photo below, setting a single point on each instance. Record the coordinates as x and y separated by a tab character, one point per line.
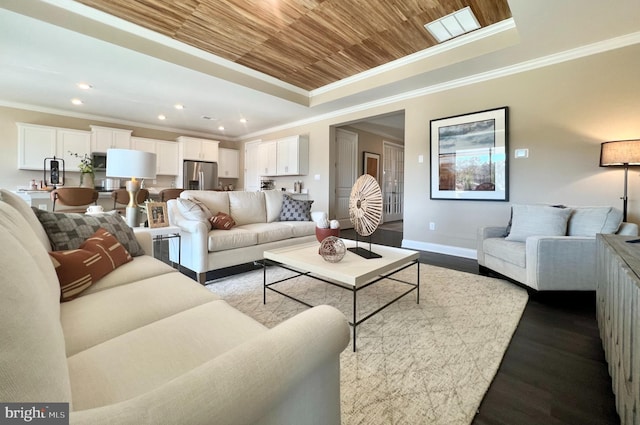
621	153
127	163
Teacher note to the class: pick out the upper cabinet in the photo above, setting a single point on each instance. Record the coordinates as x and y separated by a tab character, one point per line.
293	156
229	163
166	154
167	158
268	158
37	142
195	149
288	156
103	138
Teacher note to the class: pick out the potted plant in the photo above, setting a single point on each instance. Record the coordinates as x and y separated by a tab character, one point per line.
87	173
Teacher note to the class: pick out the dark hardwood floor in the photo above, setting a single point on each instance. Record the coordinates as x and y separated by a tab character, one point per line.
554	371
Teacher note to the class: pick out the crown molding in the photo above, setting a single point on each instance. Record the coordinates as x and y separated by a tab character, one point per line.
545	61
108	120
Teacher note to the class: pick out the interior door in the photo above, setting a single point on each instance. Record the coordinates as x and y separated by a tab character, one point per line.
393	182
346	173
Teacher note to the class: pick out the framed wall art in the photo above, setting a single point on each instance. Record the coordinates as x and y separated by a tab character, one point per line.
469	156
371	165
157	214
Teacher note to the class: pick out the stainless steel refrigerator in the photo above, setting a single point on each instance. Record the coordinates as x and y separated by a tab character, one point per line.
200	175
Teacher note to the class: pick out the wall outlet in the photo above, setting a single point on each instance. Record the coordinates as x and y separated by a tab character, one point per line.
432	226
42	207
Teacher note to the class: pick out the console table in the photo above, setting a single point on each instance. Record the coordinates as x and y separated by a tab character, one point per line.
618	313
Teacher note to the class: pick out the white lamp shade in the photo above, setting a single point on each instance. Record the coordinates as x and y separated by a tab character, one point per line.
620	153
130	163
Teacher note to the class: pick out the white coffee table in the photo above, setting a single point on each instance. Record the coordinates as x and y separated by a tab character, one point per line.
353	272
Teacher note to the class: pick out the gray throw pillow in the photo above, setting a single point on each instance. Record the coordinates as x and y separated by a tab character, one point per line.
295	210
69	230
588	221
537	220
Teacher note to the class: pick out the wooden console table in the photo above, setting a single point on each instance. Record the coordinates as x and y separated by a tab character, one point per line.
618	313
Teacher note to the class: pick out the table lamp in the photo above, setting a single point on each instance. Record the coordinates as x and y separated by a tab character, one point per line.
127	163
621	153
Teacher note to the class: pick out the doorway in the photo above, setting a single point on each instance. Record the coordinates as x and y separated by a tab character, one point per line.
346	173
382	135
393	182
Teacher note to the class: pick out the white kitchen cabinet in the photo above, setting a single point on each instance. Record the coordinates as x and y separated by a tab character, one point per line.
104	138
143	144
72	141
166	154
37	142
167	158
268	158
229	163
195	149
293	156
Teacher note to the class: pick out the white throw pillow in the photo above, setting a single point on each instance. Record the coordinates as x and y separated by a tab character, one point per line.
537	220
587	221
192	209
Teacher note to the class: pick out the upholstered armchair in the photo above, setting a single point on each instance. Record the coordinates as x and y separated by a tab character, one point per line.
549	248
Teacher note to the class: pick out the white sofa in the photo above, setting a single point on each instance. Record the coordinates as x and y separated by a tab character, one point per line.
147	345
258	228
549	248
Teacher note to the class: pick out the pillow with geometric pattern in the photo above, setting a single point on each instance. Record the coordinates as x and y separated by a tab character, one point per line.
70	230
78	269
295	210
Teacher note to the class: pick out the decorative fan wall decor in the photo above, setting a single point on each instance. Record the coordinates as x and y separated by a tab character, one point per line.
365	211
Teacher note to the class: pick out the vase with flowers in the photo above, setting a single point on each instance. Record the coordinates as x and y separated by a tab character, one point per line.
87	173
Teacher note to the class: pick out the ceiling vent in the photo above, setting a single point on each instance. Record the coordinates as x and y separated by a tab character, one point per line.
453	25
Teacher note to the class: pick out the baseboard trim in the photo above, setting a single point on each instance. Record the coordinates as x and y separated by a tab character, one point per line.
440	249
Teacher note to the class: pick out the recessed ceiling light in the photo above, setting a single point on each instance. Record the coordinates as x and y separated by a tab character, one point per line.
161	117
243	120
178	106
77	101
453	25
84	86
221	128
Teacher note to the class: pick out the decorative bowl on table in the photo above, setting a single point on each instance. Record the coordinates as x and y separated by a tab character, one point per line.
322	233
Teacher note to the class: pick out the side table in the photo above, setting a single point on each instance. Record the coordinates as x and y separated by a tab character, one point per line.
164	233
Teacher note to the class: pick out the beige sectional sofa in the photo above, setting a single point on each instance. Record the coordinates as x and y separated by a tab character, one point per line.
258	228
549	247
147	345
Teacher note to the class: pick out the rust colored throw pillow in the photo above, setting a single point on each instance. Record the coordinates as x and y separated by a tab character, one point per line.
222	221
78	269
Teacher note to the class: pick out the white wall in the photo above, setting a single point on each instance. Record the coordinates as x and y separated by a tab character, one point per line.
561	113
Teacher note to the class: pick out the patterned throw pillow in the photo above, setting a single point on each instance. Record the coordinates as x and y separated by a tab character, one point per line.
70	230
295	210
222	221
78	269
192	209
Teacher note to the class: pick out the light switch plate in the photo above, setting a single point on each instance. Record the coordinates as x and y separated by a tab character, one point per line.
521	153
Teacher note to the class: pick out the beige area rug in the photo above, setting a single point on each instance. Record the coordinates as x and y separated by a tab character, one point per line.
427	363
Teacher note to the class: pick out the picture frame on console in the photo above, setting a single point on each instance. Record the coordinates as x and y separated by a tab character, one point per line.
469	156
157	214
371	165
